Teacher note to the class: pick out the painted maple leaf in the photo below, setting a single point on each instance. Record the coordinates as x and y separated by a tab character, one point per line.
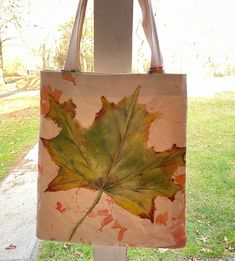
112	156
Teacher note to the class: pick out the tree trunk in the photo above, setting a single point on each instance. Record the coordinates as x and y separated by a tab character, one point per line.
2	77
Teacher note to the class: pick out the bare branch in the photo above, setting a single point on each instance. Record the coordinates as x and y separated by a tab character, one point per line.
6	39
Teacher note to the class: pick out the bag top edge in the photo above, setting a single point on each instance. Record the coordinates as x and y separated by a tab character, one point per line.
116	74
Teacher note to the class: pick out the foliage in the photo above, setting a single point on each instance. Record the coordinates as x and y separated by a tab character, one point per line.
220	68
10	17
46	55
13	69
9	23
65	31
87	43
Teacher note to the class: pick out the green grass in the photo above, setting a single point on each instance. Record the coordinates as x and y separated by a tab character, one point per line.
210	189
19	132
52	251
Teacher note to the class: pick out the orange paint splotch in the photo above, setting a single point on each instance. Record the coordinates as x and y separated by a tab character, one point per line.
161	219
47	91
122	230
116	225
107	220
68	76
179	236
180	179
102	213
121	233
60	207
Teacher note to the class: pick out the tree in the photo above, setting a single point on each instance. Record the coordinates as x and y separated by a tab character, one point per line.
9	21
45	52
62	48
87	43
2	78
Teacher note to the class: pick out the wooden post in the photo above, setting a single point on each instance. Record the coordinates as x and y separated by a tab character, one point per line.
110	253
113	54
113	35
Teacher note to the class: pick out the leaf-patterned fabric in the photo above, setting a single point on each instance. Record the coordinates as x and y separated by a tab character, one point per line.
112	159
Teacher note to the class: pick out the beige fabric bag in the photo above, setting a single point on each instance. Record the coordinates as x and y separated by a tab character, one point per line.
112	152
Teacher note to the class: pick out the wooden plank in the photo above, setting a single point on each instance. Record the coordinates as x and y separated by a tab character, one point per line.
103	253
113	54
113	35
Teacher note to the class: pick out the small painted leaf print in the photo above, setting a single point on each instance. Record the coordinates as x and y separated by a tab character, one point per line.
107	220
69	76
60	207
45	92
112	156
162	219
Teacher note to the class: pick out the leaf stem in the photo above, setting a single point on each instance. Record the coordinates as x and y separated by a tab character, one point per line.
95	202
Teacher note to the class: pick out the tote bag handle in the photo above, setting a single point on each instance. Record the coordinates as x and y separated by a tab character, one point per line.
72	62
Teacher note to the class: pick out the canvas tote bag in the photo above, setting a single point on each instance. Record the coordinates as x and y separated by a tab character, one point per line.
112	152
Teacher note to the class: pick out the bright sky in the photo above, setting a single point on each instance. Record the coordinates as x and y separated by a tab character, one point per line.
190	31
194	30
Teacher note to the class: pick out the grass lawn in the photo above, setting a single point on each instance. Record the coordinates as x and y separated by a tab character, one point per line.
210	181
18	128
210	189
